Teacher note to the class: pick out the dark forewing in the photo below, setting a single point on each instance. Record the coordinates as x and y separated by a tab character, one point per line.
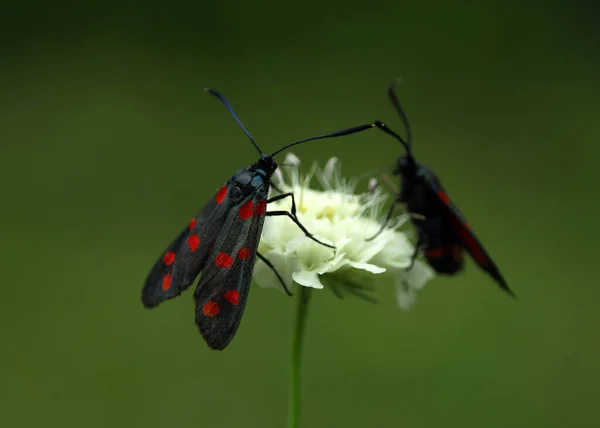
186	256
223	289
466	236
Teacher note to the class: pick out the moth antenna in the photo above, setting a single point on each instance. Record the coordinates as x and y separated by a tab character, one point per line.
335	134
229	108
391	91
379	124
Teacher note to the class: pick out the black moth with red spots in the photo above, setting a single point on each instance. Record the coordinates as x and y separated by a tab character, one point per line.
443	232
221	242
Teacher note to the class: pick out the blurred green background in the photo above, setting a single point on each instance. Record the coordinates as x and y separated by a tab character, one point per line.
109	145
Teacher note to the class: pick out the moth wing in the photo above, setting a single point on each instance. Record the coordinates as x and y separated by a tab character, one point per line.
223	289
186	256
467	237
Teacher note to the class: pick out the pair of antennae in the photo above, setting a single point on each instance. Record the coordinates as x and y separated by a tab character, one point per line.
340	133
391	91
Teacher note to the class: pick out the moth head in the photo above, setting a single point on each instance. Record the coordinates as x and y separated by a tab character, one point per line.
405	165
267	164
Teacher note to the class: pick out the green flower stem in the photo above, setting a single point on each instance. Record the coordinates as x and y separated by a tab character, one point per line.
302	300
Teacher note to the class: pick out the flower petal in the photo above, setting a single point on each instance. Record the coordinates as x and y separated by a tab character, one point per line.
335	264
292	160
307	278
375	246
326	176
406	296
293	244
419	274
367	266
278	176
408	282
397	251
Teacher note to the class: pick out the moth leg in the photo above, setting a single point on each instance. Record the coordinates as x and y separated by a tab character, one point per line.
268	263
285	195
293	211
295	220
421	242
293	215
388	217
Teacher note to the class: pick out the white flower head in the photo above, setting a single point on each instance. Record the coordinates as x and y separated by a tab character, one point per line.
339	217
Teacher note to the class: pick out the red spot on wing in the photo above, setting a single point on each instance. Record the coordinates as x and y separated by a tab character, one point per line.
470	243
223	260
221	194
166	282
436	253
210	309
192	223
261	208
245	211
443	197
476	251
169	258
244	253
232	296
193	242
